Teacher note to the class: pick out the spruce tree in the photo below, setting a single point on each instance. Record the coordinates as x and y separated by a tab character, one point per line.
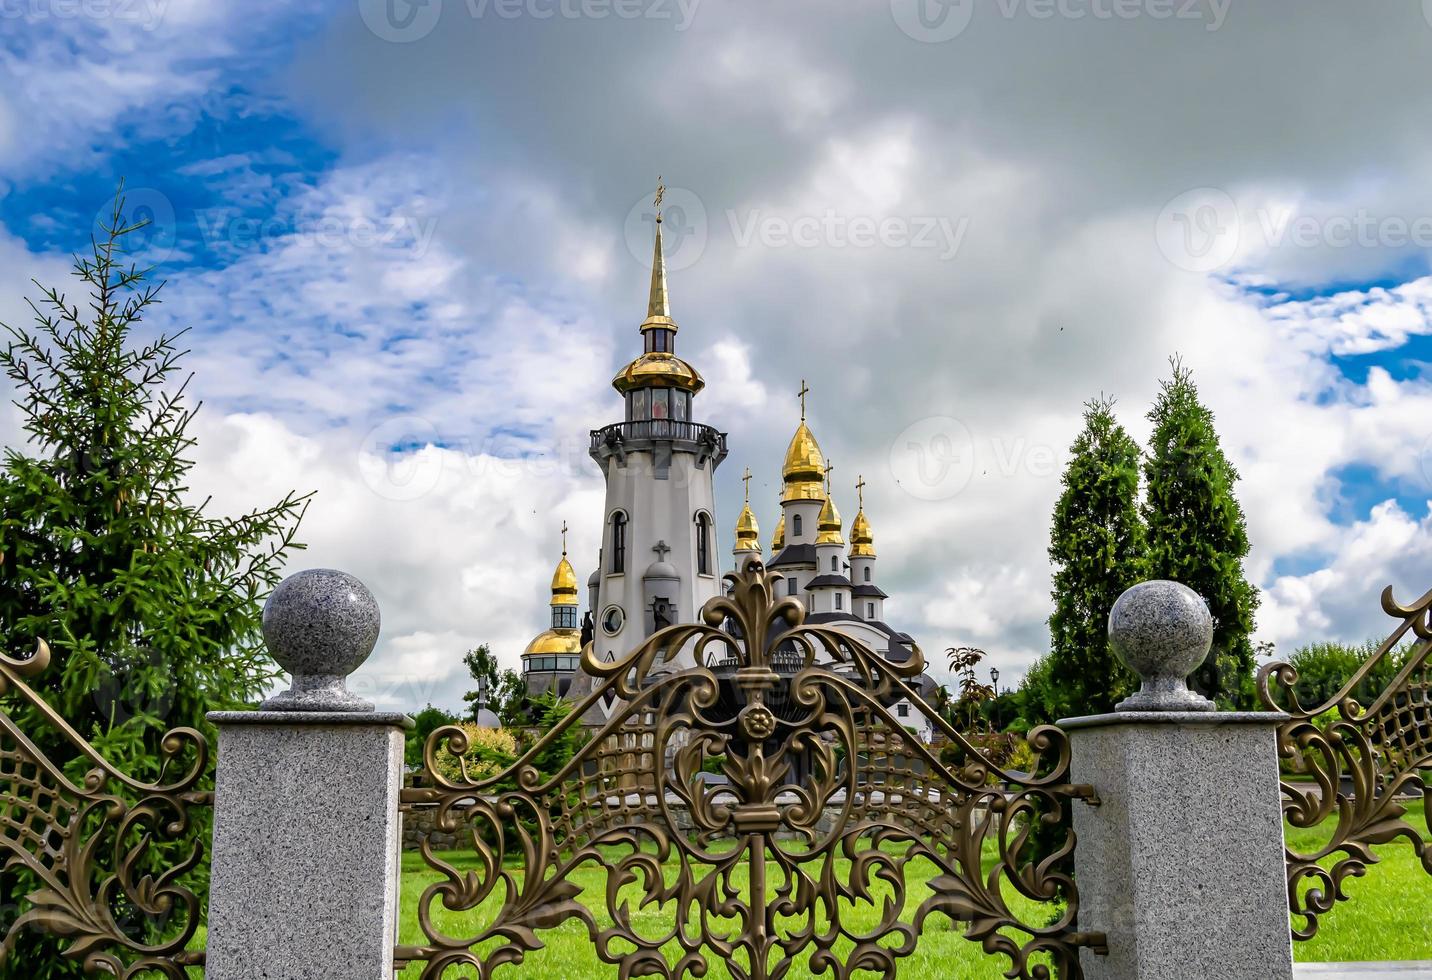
1097	548
1197	534
149	603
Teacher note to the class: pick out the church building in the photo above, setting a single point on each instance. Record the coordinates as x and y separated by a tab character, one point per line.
658	562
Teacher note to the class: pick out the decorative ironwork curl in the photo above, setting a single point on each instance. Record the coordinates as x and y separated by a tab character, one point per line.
93	846
828	802
1360	761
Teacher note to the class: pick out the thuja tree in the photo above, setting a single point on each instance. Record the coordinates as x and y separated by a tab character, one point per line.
1197	534
1097	550
149	602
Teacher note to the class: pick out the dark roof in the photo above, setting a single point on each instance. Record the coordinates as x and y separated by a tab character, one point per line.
868	591
795	554
822	581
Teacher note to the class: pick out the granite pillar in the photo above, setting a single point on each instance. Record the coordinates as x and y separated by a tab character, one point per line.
306	824
1181	864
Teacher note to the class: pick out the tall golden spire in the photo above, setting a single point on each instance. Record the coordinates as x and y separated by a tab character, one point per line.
748	534
658	305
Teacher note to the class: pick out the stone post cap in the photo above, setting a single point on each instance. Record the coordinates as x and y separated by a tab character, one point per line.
1162	631
320	626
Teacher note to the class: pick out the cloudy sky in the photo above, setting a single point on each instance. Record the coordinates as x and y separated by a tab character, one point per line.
411	239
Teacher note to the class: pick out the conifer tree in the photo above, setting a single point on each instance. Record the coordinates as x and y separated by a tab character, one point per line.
1097	549
150	604
1197	534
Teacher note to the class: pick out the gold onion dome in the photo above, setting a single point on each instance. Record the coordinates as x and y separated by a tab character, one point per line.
555	641
862	542
748	534
564	584
804	471
829	524
658	369
778	540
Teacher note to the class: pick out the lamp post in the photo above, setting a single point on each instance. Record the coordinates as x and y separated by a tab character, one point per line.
994	708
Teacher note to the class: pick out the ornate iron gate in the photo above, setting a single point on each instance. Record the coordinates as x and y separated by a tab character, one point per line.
826	805
108	855
1358	762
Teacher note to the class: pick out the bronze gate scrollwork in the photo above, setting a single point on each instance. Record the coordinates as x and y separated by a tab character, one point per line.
121	907
827	803
1356	762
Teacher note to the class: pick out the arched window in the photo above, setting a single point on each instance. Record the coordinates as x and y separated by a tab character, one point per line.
867	573
703	544
619	523
795	525
834	563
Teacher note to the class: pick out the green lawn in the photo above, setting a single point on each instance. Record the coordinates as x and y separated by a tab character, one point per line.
1387	919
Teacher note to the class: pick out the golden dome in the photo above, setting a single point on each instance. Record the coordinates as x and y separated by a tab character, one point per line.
779	540
804	470
829	524
564	584
748	534
862	542
657	369
555	641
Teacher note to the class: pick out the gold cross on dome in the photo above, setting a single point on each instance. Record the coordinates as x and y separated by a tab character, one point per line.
564	538
660	195
746	479
802	394
828	467
860	489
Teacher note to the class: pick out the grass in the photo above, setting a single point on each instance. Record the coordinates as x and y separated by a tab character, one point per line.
1385	920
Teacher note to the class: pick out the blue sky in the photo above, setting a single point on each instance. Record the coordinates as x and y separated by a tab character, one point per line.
412	257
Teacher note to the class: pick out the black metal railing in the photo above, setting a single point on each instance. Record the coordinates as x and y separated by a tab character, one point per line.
664	430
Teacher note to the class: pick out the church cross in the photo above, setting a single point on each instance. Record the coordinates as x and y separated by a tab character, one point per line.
860	489
660	194
802	394
746	479
828	467
564	539
661	548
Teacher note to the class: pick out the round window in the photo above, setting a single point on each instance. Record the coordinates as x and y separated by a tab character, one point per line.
612	620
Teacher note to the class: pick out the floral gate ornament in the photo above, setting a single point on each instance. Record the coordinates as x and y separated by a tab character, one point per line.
805	852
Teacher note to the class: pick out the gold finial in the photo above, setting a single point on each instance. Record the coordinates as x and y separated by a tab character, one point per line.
746	479
564	539
658	305
802	394
660	194
860	489
828	467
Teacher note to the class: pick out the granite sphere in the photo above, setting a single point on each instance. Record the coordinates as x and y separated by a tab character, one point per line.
1161	630
321	623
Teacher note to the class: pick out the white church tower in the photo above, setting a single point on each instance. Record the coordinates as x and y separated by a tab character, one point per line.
658	563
